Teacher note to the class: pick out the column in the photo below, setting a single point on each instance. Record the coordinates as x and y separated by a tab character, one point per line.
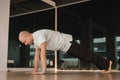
4	27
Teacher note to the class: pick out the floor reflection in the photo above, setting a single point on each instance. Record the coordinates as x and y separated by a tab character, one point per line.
38	77
108	76
60	76
3	75
45	77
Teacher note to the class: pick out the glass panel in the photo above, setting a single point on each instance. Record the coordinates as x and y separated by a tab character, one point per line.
118	52
50	58
67	62
99	47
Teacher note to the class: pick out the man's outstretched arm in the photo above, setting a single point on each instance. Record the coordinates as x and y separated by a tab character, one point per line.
43	57
36	60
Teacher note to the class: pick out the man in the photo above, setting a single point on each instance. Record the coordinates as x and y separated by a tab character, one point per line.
53	40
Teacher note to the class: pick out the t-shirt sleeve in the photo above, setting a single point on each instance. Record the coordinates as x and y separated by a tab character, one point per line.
41	39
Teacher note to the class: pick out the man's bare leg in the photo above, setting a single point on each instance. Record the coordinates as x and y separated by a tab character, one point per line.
110	67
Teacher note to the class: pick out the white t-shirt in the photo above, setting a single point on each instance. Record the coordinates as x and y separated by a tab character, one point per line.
54	39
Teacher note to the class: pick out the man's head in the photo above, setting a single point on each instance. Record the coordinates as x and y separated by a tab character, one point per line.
25	37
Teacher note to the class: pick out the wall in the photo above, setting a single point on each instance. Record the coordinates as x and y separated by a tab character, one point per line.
4	26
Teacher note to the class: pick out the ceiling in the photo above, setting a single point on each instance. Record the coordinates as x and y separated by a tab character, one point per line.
104	13
23	7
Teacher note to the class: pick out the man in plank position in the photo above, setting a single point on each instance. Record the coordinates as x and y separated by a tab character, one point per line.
46	39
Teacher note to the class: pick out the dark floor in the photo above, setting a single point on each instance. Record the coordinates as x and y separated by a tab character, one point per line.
60	76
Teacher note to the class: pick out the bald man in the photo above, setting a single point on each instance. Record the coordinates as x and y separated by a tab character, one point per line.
46	39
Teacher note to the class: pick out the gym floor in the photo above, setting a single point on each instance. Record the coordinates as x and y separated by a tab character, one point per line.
60	76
